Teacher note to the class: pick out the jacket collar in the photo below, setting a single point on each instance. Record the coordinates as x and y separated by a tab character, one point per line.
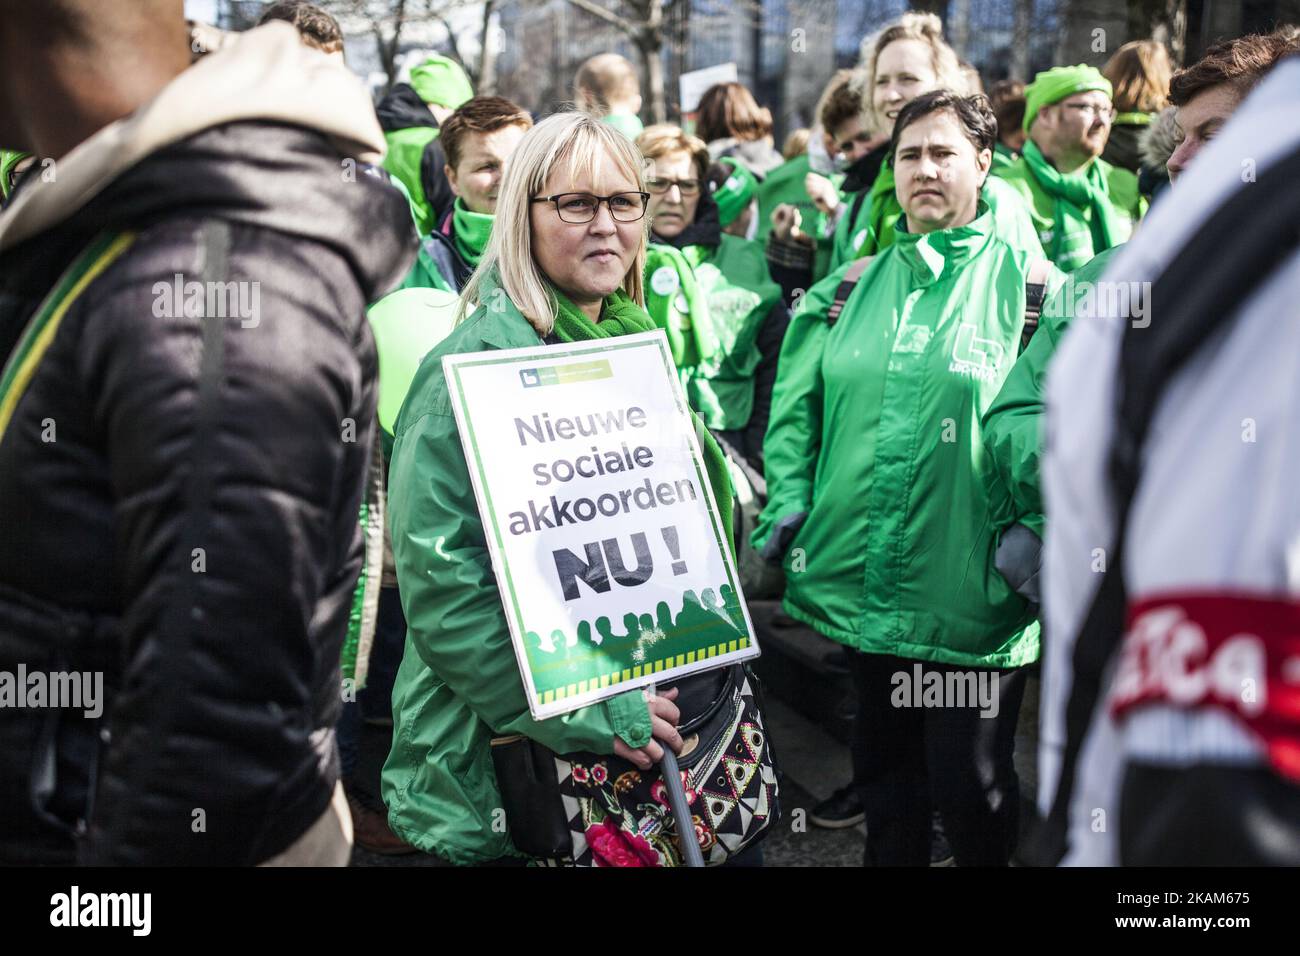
503	325
933	254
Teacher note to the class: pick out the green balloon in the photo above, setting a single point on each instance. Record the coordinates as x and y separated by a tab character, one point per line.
407	325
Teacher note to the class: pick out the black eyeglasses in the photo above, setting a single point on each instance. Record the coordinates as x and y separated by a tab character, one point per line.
1106	113
688	187
582	207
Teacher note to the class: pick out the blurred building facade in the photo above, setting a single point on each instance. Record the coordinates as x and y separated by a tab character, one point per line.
784	50
787	50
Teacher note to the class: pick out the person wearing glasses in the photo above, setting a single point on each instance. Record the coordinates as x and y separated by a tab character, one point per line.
1081	205
712	293
564	263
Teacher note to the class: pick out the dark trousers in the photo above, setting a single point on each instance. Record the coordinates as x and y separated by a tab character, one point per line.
909	758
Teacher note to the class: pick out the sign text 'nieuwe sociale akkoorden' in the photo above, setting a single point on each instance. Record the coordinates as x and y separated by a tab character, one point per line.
602	527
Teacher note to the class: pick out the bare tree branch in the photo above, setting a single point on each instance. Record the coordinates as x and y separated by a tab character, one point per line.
453	44
596	10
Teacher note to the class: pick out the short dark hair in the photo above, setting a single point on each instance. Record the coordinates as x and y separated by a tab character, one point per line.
973	114
1242	62
317	28
480	114
843	103
1007	99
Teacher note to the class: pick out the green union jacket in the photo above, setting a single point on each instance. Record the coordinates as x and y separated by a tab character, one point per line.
458	685
1013	424
875	436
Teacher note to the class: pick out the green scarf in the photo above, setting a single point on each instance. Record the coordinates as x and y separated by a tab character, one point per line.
670	284
1073	194
621	316
883	212
469	232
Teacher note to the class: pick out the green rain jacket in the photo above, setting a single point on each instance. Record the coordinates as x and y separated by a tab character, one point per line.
740	294
854	236
785	184
459	685
875	435
1129	204
1014	422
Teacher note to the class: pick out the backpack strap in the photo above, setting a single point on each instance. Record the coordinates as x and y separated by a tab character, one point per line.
1200	292
1040	270
846	286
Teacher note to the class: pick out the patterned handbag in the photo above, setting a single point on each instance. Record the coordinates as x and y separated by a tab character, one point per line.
617	815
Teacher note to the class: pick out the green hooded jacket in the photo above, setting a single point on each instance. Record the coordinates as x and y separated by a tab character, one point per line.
458	685
1013	424
1127	202
856	237
875	436
740	294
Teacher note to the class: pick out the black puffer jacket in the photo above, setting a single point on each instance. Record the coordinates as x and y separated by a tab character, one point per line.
189	527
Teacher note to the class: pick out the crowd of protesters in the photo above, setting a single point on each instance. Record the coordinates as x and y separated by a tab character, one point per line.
243	520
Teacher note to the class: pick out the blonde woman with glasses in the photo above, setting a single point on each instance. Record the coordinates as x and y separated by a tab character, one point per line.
564	264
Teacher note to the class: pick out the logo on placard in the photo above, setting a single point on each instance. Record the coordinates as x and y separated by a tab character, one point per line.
565	374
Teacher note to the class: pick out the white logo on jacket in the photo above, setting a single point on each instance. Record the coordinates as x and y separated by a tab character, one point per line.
975	356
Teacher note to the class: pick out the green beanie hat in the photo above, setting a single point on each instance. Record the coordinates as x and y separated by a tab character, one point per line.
1054	85
441	81
736	193
9	158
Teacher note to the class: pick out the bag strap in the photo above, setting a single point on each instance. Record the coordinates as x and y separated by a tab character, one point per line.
1036	278
44	323
851	277
1199	293
856	208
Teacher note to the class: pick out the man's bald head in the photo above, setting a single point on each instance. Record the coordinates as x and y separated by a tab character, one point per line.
70	67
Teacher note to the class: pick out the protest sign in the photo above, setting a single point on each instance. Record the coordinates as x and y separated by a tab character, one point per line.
605	538
693	84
